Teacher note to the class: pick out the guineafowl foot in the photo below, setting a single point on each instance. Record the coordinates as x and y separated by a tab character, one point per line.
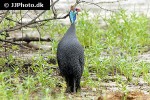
78	89
68	90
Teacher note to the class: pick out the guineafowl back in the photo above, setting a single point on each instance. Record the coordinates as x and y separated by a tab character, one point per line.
70	54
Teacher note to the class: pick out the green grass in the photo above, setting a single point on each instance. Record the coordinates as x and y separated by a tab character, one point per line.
109	51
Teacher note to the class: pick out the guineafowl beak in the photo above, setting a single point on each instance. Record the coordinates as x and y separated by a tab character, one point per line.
73	12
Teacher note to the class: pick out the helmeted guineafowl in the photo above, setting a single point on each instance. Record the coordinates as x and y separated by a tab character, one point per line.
70	56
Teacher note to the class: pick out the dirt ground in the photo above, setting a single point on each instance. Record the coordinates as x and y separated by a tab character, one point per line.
107	90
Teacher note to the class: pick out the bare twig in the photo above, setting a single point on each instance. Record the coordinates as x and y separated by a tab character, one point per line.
108	2
5	14
96	4
27	24
54	10
7	18
44	11
65	16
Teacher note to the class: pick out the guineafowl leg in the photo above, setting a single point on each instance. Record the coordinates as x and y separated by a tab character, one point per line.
68	89
74	85
71	84
78	84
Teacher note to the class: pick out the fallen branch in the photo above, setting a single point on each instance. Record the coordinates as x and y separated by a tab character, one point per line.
12	42
29	39
29	45
24	45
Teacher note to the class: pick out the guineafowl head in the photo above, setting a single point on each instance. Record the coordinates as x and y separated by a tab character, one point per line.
72	14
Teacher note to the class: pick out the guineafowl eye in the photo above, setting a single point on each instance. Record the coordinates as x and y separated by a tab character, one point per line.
70	56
